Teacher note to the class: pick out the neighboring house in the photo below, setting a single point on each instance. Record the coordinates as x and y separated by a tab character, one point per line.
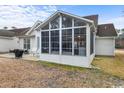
16	39
21	38
7	41
119	42
74	40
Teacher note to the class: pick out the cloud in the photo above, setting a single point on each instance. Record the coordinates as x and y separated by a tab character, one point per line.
23	16
118	22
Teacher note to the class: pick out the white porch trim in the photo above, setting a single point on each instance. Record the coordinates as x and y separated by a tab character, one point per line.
65	13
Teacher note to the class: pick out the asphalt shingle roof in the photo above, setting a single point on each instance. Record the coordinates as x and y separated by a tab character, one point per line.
103	30
6	33
14	32
106	30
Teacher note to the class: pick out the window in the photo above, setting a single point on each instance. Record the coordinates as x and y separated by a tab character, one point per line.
67	42
55	23
66	21
27	43
50	40
80	41
45	42
45	27
91	42
55	42
78	22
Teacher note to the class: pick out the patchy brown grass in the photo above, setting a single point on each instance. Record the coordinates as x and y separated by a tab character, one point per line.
20	73
112	65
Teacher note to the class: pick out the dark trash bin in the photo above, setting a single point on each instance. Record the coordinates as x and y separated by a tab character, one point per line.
18	53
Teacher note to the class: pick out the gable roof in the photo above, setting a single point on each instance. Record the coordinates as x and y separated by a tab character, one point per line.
20	31
106	30
103	30
92	17
14	32
6	33
65	13
36	24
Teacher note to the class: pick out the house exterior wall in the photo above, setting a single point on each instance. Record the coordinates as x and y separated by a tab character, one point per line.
32	33
81	61
8	43
32	43
105	46
38	34
65	59
21	45
93	54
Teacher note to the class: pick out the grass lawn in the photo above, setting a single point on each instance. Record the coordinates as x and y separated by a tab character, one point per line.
20	73
112	65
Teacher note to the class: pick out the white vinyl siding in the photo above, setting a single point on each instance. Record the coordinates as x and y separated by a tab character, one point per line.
7	44
105	46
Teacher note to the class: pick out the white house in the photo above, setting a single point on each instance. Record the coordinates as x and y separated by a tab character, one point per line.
74	40
17	39
69	39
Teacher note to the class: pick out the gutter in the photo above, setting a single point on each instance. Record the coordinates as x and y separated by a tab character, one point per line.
26	36
4	37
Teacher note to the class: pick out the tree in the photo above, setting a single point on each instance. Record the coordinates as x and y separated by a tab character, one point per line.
13	27
5	27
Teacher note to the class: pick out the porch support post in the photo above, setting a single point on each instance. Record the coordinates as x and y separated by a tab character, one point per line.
60	35
94	51
40	41
49	38
88	40
73	36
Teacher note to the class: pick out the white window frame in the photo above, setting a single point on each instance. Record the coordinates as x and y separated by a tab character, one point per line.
25	40
60	36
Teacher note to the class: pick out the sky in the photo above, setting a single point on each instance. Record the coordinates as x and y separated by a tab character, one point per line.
21	16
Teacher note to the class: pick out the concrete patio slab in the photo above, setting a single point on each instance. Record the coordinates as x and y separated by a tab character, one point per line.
29	57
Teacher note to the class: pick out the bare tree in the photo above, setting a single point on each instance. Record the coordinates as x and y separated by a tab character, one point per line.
13	27
5	27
